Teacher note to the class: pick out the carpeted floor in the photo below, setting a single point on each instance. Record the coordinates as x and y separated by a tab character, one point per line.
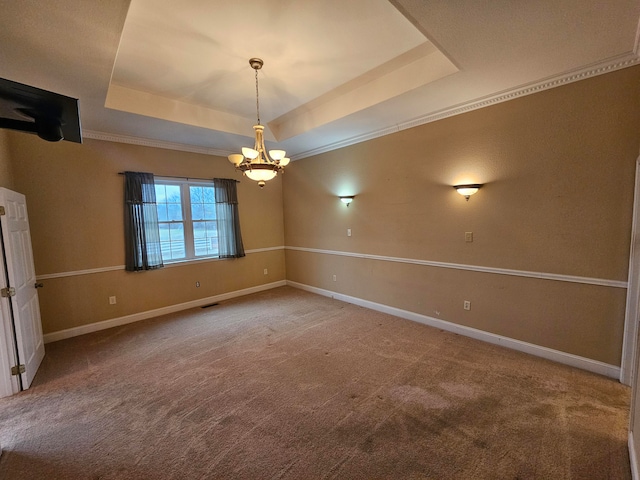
289	385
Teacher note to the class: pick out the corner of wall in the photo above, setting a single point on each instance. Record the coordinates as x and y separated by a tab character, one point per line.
6	172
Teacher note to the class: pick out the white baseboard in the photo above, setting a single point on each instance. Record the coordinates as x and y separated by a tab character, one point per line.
136	317
635	475
537	350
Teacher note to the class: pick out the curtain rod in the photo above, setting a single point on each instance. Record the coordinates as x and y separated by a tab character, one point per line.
189	178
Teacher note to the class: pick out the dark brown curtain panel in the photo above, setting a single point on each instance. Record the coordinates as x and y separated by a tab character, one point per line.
229	236
142	236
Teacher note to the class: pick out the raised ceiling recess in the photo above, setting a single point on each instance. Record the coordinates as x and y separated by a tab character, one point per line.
186	62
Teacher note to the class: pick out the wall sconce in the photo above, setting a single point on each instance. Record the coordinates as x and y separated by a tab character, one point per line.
467	190
346	199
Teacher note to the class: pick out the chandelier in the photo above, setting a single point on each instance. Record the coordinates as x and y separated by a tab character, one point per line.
254	162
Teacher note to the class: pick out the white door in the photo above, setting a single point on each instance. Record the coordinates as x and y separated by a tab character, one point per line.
22	277
9	384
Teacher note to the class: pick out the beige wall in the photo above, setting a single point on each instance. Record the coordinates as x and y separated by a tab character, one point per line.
558	170
558	174
75	200
6	173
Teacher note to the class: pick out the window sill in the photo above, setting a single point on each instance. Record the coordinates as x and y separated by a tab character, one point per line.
191	261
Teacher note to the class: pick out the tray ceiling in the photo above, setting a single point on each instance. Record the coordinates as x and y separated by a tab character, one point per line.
176	74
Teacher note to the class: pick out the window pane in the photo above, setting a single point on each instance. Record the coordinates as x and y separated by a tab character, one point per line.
173	193
164	232
205	238
165	241
174	211
197	211
199	230
176	231
200	239
212	229
209	211
196	194
212	237
162	212
209	195
161	195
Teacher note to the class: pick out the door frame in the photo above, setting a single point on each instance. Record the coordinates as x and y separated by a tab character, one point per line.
630	339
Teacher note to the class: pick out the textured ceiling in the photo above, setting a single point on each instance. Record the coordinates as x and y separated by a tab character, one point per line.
335	72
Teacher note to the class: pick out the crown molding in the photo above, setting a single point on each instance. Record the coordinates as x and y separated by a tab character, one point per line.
146	142
610	65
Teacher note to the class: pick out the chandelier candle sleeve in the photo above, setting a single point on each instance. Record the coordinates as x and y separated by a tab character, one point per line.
256	163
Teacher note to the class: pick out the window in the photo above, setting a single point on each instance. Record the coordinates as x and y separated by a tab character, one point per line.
170	220
203	216
187	219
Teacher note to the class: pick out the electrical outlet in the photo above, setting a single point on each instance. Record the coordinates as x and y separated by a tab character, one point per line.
467	305
468	236
266	272
197	284
112	300
335	278
348	232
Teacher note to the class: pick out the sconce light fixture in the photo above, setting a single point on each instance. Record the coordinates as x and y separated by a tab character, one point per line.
347	199
467	190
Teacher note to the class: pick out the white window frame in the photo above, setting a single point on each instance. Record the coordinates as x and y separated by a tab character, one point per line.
187	221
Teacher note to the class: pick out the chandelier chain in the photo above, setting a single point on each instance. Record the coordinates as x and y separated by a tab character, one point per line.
257	98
